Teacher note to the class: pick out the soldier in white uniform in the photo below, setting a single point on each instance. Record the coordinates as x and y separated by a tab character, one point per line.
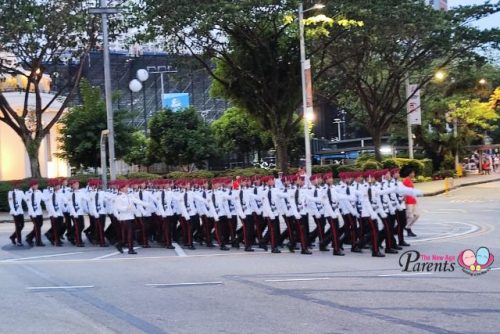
68	223
76	201
16	197
332	214
219	200
348	211
54	202
206	212
380	203
124	209
97	200
33	198
317	211
271	213
368	224
167	213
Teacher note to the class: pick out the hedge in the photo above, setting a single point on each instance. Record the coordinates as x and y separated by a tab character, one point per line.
143	175
422	167
201	174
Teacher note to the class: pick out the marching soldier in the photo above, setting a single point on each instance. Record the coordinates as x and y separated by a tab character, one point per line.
68	223
97	210
347	209
368	216
332	215
33	198
54	202
317	211
76	201
271	213
16	198
380	204
124	208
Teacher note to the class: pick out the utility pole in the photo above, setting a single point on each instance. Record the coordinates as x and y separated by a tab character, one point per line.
104	12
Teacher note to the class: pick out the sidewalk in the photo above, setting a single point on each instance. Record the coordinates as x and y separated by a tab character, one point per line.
431	188
434	188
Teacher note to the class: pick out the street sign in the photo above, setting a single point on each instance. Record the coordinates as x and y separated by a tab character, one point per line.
413	106
309	88
175	101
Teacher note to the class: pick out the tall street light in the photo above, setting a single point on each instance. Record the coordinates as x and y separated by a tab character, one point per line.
307	114
338	121
415	95
104	11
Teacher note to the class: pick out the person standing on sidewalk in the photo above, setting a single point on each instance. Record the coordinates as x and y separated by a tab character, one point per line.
412	214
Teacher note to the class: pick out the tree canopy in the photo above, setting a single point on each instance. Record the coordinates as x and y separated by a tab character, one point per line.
254	46
181	138
82	126
400	39
36	33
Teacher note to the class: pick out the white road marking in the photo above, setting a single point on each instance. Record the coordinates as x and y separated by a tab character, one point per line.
40	257
105	256
110	254
410	274
59	287
298	279
494	269
130	258
178	249
183	284
472	229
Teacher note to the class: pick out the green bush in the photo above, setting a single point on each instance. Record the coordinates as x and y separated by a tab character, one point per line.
371	164
443	174
417	165
422	178
199	174
363	158
248	172
143	175
428	169
390	163
321	169
347	168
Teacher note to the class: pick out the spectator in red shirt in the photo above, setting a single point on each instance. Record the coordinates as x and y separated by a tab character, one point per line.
486	167
412	214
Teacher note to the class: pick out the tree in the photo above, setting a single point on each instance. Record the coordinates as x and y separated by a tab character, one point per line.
400	39
236	131
463	83
82	127
254	46
40	32
139	150
181	138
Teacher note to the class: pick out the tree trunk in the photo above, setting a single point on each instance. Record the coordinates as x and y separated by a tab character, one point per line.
32	147
281	146
377	142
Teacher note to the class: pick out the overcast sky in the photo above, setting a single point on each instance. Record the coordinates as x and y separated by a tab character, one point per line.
491	22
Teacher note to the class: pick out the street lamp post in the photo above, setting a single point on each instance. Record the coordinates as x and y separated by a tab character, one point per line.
338	121
104	11
306	114
135	86
161	72
104	134
408	121
439	76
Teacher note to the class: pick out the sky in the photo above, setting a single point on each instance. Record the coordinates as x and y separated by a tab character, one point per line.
493	21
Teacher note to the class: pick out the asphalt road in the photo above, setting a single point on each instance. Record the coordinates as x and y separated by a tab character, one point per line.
95	290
